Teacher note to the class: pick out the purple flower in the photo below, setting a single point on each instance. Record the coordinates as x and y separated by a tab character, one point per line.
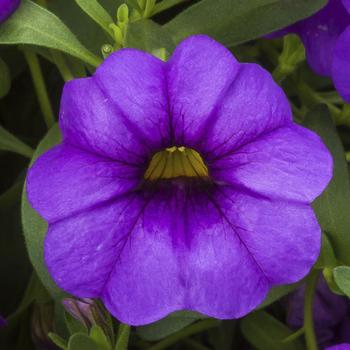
7	7
331	315
3	322
326	36
179	185
340	347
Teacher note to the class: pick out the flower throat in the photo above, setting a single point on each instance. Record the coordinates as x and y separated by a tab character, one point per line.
176	162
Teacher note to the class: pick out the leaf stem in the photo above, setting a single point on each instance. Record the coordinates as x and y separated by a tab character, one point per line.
310	337
294	335
40	87
123	337
184	333
59	60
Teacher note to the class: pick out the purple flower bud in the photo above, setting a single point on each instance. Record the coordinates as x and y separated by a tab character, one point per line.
81	310
42	323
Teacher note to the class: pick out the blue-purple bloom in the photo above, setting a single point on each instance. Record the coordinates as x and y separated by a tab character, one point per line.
340	347
331	315
326	36
7	7
179	185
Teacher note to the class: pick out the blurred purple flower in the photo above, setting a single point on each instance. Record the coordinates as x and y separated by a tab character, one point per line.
331	315
7	7
3	322
179	185
326	36
340	347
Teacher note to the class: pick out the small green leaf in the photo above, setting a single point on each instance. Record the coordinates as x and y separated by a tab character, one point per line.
342	279
327	258
93	9
277	293
168	325
73	325
123	337
332	207
235	21
81	341
148	36
57	340
265	332
5	78
34	25
97	334
9	142
34	227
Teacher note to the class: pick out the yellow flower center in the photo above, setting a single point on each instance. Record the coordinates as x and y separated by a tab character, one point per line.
176	162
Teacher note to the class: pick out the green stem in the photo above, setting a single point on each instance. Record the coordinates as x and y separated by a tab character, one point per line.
347	155
60	62
294	335
166	4
184	333
40	87
310	336
123	337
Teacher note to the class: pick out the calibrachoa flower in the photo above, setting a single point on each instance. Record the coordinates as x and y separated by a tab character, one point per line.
179	185
7	7
326	36
331	315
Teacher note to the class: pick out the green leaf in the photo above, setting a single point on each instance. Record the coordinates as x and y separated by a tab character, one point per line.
327	258
9	142
265	332
34	227
148	36
93	9
5	78
81	341
73	325
57	340
342	279
123	337
332	207
84	28
277	293
235	21
34	25
97	334
168	325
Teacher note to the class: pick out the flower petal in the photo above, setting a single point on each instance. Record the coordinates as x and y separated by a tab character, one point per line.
320	33
253	105
7	7
80	251
199	73
183	256
290	162
66	180
206	251
121	111
341	65
135	83
283	237
346	4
